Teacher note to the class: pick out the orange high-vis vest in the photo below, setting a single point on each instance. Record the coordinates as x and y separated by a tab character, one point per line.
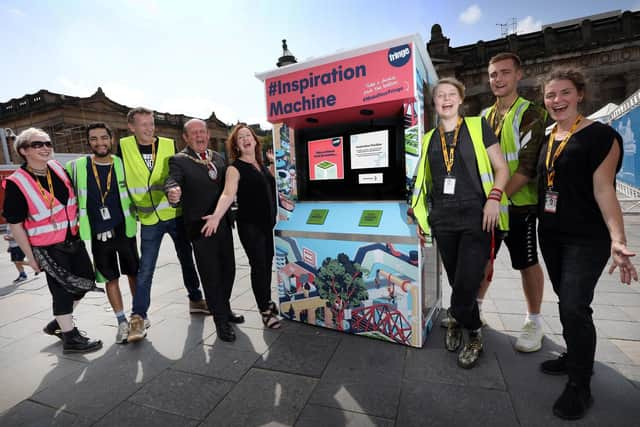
47	225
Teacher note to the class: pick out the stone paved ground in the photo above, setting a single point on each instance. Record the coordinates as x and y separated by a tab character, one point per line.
183	375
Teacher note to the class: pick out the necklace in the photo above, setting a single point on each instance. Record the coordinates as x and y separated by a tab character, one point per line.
37	172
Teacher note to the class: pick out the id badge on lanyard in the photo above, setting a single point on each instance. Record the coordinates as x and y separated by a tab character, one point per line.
449	185
550	201
104	213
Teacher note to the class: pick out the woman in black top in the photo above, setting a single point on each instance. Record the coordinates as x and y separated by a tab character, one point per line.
461	215
580	227
252	183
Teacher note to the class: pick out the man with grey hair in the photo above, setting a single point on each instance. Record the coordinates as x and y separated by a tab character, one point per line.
196	180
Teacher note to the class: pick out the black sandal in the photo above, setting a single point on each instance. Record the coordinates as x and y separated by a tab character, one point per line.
270	320
273	307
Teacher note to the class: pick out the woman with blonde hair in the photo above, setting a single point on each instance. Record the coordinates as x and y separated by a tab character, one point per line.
458	198
41	209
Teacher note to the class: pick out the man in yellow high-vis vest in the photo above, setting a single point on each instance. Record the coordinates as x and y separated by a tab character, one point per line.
520	126
105	218
146	165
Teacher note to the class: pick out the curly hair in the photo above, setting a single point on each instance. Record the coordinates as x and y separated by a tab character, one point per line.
232	144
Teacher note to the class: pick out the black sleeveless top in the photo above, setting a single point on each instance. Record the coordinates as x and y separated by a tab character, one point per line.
578	217
256	196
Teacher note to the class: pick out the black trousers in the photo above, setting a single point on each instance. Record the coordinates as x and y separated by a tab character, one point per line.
574	270
258	245
464	255
217	268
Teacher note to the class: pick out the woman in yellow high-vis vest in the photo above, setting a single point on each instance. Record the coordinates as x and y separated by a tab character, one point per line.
458	198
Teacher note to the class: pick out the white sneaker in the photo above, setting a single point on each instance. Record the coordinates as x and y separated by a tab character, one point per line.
123	333
530	338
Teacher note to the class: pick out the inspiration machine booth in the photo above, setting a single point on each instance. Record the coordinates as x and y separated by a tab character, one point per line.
347	132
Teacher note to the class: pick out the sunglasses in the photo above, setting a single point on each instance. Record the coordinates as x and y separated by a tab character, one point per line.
38	144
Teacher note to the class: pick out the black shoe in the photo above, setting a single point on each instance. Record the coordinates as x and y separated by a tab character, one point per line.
53	329
555	366
236	318
73	342
225	331
573	402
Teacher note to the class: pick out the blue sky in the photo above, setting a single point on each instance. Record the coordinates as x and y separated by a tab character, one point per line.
195	57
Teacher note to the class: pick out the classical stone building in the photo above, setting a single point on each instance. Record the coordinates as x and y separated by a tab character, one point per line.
64	118
606	47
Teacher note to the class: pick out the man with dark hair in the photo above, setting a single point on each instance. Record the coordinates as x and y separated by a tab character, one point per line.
105	218
519	124
146	165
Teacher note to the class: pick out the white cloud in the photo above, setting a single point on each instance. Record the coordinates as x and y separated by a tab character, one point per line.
635	7
528	25
470	15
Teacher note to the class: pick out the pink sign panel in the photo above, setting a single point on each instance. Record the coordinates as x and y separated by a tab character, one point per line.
377	77
326	159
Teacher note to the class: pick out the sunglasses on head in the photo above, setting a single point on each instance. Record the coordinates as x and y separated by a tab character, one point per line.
38	144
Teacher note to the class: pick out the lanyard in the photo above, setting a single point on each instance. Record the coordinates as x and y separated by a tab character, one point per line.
492	118
51	192
103	195
449	155
550	162
153	152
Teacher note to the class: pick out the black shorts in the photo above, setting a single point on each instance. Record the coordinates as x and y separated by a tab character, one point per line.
16	254
121	250
521	239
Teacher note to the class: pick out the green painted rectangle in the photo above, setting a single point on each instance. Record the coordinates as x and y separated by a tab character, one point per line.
370	218
317	216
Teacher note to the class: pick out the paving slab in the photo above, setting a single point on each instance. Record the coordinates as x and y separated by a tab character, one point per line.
249	339
29	376
263	397
181	393
28	413
437	366
435	404
106	382
321	416
299	354
223	362
129	414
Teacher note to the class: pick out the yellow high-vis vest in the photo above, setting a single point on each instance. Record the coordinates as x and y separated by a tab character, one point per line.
147	187
424	181
78	171
510	144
